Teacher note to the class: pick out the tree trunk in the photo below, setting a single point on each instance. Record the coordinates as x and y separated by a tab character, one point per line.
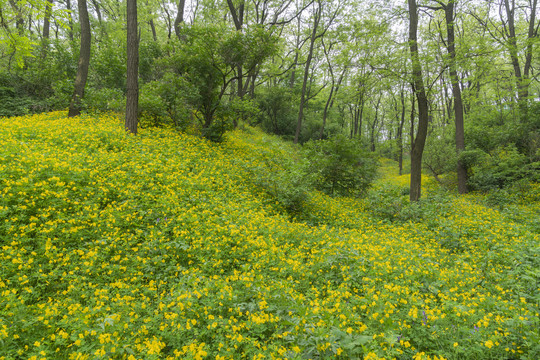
153	28
179	19
521	82
19	22
70	20
100	19
238	18
168	20
331	96
84	61
400	132
306	73
292	79
132	81
423	110
458	102
46	28
374	125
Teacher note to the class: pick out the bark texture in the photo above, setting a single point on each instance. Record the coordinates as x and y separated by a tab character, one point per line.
423	110
75	105
132	81
456	92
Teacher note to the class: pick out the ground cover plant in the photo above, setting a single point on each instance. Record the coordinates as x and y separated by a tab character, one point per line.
160	246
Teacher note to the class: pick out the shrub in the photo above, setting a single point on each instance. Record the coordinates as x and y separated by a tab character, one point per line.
104	100
501	169
341	166
287	182
391	203
12	105
277	113
166	100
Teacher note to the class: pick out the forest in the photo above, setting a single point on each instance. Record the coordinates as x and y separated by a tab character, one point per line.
269	179
464	97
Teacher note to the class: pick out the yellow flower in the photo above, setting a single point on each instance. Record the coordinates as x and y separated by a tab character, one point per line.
489	344
154	346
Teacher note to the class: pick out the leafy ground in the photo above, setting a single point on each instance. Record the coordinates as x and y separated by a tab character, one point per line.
163	246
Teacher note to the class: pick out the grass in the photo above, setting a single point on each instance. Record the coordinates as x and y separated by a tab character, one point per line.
160	247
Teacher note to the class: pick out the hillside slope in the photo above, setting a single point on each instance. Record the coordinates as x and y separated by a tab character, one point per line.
162	246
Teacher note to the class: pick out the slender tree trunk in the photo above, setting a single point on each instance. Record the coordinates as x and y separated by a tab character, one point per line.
132	82
19	22
325	112
70	20
84	61
521	82
306	73
374	125
423	109
100	19
153	28
330	101
458	102
292	79
400	132
359	115
179	19
238	18
168	20
533	33
46	28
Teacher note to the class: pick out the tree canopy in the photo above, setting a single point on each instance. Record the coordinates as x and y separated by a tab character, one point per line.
301	69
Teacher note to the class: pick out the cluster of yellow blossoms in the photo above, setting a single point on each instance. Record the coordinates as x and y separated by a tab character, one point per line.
159	247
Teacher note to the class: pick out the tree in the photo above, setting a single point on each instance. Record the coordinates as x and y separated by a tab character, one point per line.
132	81
423	109
456	91
179	19
84	61
315	35
46	27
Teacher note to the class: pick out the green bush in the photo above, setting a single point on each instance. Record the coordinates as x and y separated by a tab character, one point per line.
501	169
167	101
277	114
391	203
341	166
287	182
105	99
12	105
440	157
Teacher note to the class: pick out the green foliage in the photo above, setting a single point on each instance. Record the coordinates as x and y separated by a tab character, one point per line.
108	65
500	149
105	99
277	110
164	246
284	179
341	166
12	105
206	59
440	155
500	169
289	185
166	101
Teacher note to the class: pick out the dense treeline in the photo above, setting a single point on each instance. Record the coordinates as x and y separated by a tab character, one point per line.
462	74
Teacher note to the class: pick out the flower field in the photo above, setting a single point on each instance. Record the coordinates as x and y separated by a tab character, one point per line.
160	246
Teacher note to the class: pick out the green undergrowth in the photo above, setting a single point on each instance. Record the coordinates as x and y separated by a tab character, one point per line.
165	246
